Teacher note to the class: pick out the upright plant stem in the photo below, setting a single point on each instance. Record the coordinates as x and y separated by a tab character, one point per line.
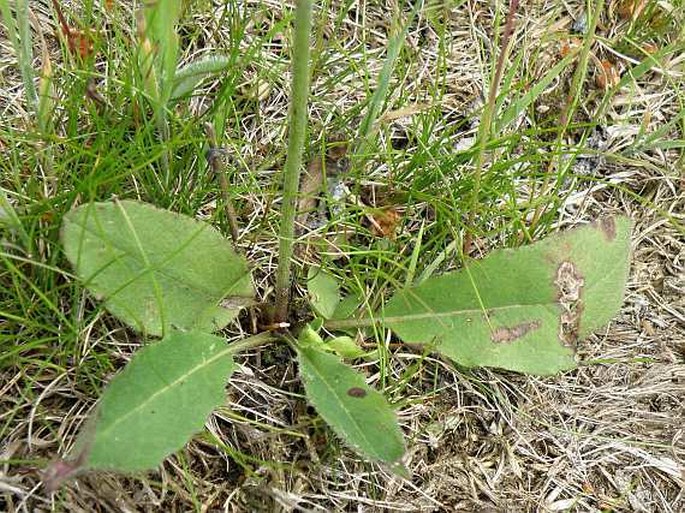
293	162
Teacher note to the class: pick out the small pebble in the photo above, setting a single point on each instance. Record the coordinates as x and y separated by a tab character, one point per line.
580	25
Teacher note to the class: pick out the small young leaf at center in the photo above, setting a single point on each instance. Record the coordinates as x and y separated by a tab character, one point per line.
344	346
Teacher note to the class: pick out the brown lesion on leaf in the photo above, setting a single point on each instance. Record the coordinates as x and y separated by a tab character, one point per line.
505	334
356	392
569	284
608	227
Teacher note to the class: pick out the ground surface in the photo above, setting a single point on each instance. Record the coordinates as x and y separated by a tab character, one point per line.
607	437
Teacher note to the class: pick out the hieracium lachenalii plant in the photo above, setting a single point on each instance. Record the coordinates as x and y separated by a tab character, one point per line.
179	281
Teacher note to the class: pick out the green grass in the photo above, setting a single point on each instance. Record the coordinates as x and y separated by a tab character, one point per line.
503	190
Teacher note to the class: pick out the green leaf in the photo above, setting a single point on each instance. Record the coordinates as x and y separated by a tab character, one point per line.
344	346
20	38
309	337
189	76
356	412
156	269
379	96
521	309
158	402
10	219
348	306
324	292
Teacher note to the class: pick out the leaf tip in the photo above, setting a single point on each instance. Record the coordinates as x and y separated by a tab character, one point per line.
400	469
59	471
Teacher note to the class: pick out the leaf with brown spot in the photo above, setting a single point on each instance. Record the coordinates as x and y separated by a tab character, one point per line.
521	309
336	391
511	333
356	392
608	227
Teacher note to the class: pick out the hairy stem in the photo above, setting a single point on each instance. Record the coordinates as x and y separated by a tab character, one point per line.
251	342
339	324
293	162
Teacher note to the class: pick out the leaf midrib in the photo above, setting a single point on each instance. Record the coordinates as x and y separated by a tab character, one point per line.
587	288
104	432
